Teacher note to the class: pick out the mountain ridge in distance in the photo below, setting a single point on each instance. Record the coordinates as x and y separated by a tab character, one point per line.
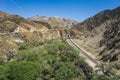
54	20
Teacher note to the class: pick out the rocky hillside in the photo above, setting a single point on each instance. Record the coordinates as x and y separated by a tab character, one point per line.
55	22
62	25
102	32
99	19
15	29
11	24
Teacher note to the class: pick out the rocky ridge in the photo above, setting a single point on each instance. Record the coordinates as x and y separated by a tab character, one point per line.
102	33
55	22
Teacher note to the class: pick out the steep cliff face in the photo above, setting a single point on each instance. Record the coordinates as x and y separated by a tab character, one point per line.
102	32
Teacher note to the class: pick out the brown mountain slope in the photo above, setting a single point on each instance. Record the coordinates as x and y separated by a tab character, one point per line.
55	22
15	29
10	22
102	32
98	19
59	24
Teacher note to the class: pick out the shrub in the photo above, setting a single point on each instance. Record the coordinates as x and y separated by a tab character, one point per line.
64	72
21	57
35	43
51	48
32	57
1	61
24	71
10	56
23	46
4	71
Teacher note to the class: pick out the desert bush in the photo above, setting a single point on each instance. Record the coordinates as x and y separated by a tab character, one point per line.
51	48
21	57
23	46
32	57
24	71
1	61
4	72
35	43
64	73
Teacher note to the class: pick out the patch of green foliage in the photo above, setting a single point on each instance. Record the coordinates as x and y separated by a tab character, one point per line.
53	60
23	70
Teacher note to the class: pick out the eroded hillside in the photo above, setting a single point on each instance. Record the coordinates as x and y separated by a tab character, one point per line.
15	29
102	33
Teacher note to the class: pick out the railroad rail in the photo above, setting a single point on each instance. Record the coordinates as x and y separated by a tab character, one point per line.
83	52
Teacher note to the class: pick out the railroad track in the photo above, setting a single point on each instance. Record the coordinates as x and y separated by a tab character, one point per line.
82	51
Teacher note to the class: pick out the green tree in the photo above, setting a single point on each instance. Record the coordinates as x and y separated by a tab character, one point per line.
4	71
1	61
24	71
